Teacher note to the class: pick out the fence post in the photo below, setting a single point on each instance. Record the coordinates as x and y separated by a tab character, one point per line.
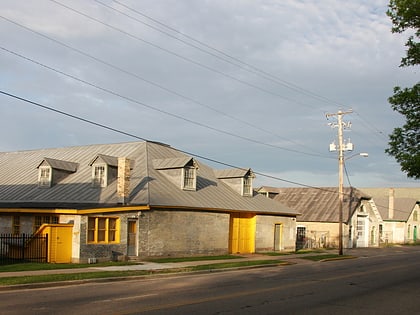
46	247
23	246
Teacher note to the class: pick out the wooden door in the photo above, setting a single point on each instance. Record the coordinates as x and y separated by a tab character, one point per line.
277	237
242	233
131	238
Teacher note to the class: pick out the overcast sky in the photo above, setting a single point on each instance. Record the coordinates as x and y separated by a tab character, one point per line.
244	82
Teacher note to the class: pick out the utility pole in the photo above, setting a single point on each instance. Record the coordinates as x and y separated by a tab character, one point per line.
341	148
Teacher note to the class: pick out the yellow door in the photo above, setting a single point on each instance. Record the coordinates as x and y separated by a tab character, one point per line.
242	233
60	244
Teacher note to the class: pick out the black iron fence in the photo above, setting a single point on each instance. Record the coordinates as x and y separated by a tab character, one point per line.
23	248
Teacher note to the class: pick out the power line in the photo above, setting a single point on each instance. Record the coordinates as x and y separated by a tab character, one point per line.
149	81
183	57
131	100
368	124
88	121
237	62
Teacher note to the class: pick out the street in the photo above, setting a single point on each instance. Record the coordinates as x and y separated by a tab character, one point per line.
379	284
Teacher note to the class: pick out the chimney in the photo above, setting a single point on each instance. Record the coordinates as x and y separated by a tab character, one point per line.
391	202
123	184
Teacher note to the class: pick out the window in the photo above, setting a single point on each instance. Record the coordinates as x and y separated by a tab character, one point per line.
16	225
99	176
189	178
44	179
247	186
102	230
44	219
415	216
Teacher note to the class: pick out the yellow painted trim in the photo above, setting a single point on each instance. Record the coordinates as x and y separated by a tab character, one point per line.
74	211
117	209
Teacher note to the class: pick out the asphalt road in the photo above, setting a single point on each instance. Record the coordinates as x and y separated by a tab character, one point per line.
381	284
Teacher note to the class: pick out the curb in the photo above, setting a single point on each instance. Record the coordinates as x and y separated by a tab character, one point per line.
151	273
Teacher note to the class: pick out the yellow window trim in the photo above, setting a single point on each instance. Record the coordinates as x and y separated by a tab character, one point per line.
106	231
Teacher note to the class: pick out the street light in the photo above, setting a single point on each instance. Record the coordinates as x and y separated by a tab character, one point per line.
363	154
341	195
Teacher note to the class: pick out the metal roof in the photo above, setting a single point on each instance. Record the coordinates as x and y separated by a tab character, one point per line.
60	165
148	186
318	204
161	164
405	200
233	173
110	160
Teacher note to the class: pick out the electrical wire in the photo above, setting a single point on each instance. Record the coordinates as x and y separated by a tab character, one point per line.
88	121
108	64
131	100
232	60
189	60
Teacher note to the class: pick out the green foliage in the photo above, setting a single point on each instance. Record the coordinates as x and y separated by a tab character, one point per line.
47	266
405	15
404	142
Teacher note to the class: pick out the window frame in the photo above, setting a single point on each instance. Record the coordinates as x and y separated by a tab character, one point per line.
15	225
39	220
103	230
189	178
247	186
100	179
43	180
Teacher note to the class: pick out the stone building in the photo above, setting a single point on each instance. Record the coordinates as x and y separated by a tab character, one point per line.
137	199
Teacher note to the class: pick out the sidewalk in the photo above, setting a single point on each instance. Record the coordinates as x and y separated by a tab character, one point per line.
145	265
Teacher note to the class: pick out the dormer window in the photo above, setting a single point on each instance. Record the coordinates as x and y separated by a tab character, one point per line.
52	171
247	186
104	170
189	178
44	178
238	179
182	171
99	176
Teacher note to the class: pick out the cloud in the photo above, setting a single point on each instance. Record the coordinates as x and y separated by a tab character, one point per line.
315	57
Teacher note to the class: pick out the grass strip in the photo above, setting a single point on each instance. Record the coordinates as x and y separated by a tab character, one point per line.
326	257
127	273
186	259
49	266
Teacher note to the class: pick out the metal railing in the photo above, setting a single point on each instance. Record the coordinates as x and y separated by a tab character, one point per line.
23	248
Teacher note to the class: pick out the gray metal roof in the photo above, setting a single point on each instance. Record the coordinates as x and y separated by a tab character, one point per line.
405	200
402	208
318	204
161	164
110	160
148	186
60	165
233	173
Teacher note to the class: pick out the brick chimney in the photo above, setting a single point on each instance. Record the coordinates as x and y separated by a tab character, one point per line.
123	181
391	201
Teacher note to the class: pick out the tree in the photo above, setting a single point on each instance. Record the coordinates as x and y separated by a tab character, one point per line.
404	144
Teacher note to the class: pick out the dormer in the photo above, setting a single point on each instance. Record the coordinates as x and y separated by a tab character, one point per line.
267	192
238	179
181	171
104	170
52	171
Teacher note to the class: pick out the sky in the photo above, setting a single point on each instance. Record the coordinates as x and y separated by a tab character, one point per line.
243	83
